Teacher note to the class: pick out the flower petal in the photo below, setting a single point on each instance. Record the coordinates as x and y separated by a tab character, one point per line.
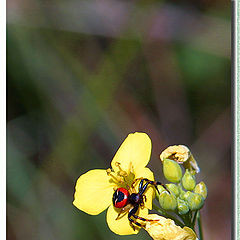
135	151
149	193
122	226
164	228
94	192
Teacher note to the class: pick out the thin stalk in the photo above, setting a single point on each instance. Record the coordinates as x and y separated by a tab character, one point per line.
194	219
163	212
199	225
186	220
190	215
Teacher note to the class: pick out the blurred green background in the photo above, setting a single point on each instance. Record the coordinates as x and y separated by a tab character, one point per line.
84	74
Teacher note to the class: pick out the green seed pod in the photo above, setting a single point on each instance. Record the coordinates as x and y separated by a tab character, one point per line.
172	171
182	206
201	188
188	181
173	189
168	201
195	201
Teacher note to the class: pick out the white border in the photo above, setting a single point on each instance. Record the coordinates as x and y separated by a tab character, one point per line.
235	98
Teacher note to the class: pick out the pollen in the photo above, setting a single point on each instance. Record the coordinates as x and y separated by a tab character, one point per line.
121	172
116	177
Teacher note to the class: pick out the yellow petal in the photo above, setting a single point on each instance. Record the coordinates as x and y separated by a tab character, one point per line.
164	228
149	193
134	152
122	225
94	192
178	153
192	235
182	155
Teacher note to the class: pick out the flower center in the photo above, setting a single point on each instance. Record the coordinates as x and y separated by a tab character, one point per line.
121	178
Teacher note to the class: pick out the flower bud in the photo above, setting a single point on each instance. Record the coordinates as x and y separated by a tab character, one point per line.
168	201
173	189
182	155
172	171
161	189
185	195
195	201
182	206
201	188
181	191
188	181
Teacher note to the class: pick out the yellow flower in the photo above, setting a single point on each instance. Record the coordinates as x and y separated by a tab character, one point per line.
182	155
165	229
94	189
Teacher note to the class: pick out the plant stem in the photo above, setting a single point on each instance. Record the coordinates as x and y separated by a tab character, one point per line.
194	219
199	225
164	213
186	219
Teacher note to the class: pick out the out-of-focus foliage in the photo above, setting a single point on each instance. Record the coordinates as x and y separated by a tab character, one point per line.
84	74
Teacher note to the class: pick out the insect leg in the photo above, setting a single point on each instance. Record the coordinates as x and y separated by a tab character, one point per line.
131	214
154	183
141	184
123	210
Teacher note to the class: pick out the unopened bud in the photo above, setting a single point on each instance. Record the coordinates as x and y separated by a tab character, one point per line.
161	189
181	191
172	171
182	206
188	181
185	195
195	201
201	188
168	201
173	189
182	155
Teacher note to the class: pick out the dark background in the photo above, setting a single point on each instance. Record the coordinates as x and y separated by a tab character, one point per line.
83	74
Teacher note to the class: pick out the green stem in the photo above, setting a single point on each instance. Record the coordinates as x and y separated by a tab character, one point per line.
199	225
186	220
194	219
190	215
164	213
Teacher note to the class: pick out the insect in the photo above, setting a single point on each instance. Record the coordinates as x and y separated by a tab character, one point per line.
126	201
